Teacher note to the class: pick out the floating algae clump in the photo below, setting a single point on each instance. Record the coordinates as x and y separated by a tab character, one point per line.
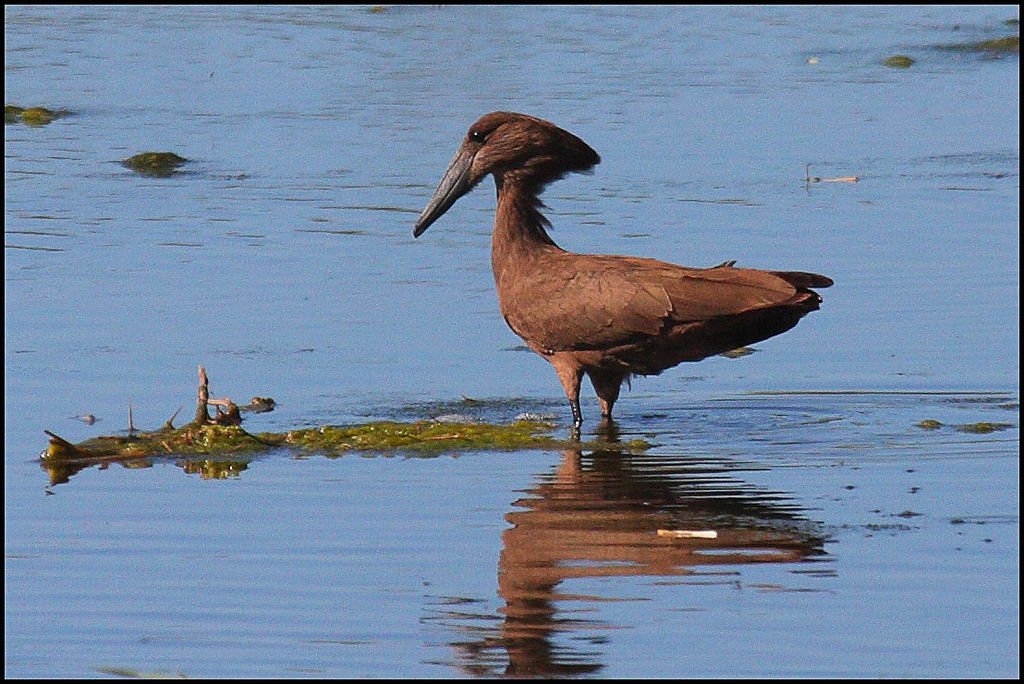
899	62
222	433
738	353
228	449
157	164
195	438
983	428
31	116
1006	44
423	436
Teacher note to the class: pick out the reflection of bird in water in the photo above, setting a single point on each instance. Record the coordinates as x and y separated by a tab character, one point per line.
599	516
609	317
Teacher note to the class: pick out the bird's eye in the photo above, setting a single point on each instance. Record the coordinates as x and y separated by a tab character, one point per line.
476	136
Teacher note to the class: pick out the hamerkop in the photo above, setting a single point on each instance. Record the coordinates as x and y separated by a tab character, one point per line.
610	317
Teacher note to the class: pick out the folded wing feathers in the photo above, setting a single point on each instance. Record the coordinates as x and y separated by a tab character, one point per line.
611	300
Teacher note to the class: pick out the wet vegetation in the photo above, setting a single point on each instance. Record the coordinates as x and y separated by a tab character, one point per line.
992	47
32	116
899	62
738	353
981	428
989	48
1004	45
229	448
156	164
424	437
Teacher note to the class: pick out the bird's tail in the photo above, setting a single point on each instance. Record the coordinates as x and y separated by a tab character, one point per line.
804	281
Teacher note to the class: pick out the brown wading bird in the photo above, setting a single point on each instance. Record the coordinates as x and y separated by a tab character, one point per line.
610	317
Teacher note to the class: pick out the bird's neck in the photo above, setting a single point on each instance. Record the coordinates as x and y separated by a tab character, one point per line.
520	232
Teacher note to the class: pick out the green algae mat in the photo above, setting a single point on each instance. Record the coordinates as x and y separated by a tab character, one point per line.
216	446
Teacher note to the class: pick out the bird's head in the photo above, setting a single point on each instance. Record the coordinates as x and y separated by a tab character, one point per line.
515	148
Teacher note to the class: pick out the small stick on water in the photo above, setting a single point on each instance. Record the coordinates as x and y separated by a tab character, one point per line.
169	425
229	417
61	441
808	178
688	534
204	394
131	422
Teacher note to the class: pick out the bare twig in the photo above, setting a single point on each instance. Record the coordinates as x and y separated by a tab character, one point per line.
808	179
204	395
169	425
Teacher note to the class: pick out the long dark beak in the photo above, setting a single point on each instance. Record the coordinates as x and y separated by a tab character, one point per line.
457	181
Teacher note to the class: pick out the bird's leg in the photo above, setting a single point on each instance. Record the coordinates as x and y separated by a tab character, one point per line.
577	417
570	373
608	430
607	385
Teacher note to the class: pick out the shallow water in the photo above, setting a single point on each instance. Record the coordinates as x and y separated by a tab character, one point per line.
849	541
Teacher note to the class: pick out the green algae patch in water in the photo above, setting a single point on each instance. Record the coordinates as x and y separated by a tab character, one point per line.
157	164
738	353
379	436
1007	44
194	438
423	436
983	428
899	62
32	116
992	46
227	448
12	114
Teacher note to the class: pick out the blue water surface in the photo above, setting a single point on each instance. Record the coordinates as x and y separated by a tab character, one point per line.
850	541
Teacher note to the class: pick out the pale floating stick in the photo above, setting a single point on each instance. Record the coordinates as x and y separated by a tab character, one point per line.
816	179
688	534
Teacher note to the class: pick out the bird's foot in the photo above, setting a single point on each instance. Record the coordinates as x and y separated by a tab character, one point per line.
608	429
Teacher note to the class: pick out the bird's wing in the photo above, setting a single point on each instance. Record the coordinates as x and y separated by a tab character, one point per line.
598	301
